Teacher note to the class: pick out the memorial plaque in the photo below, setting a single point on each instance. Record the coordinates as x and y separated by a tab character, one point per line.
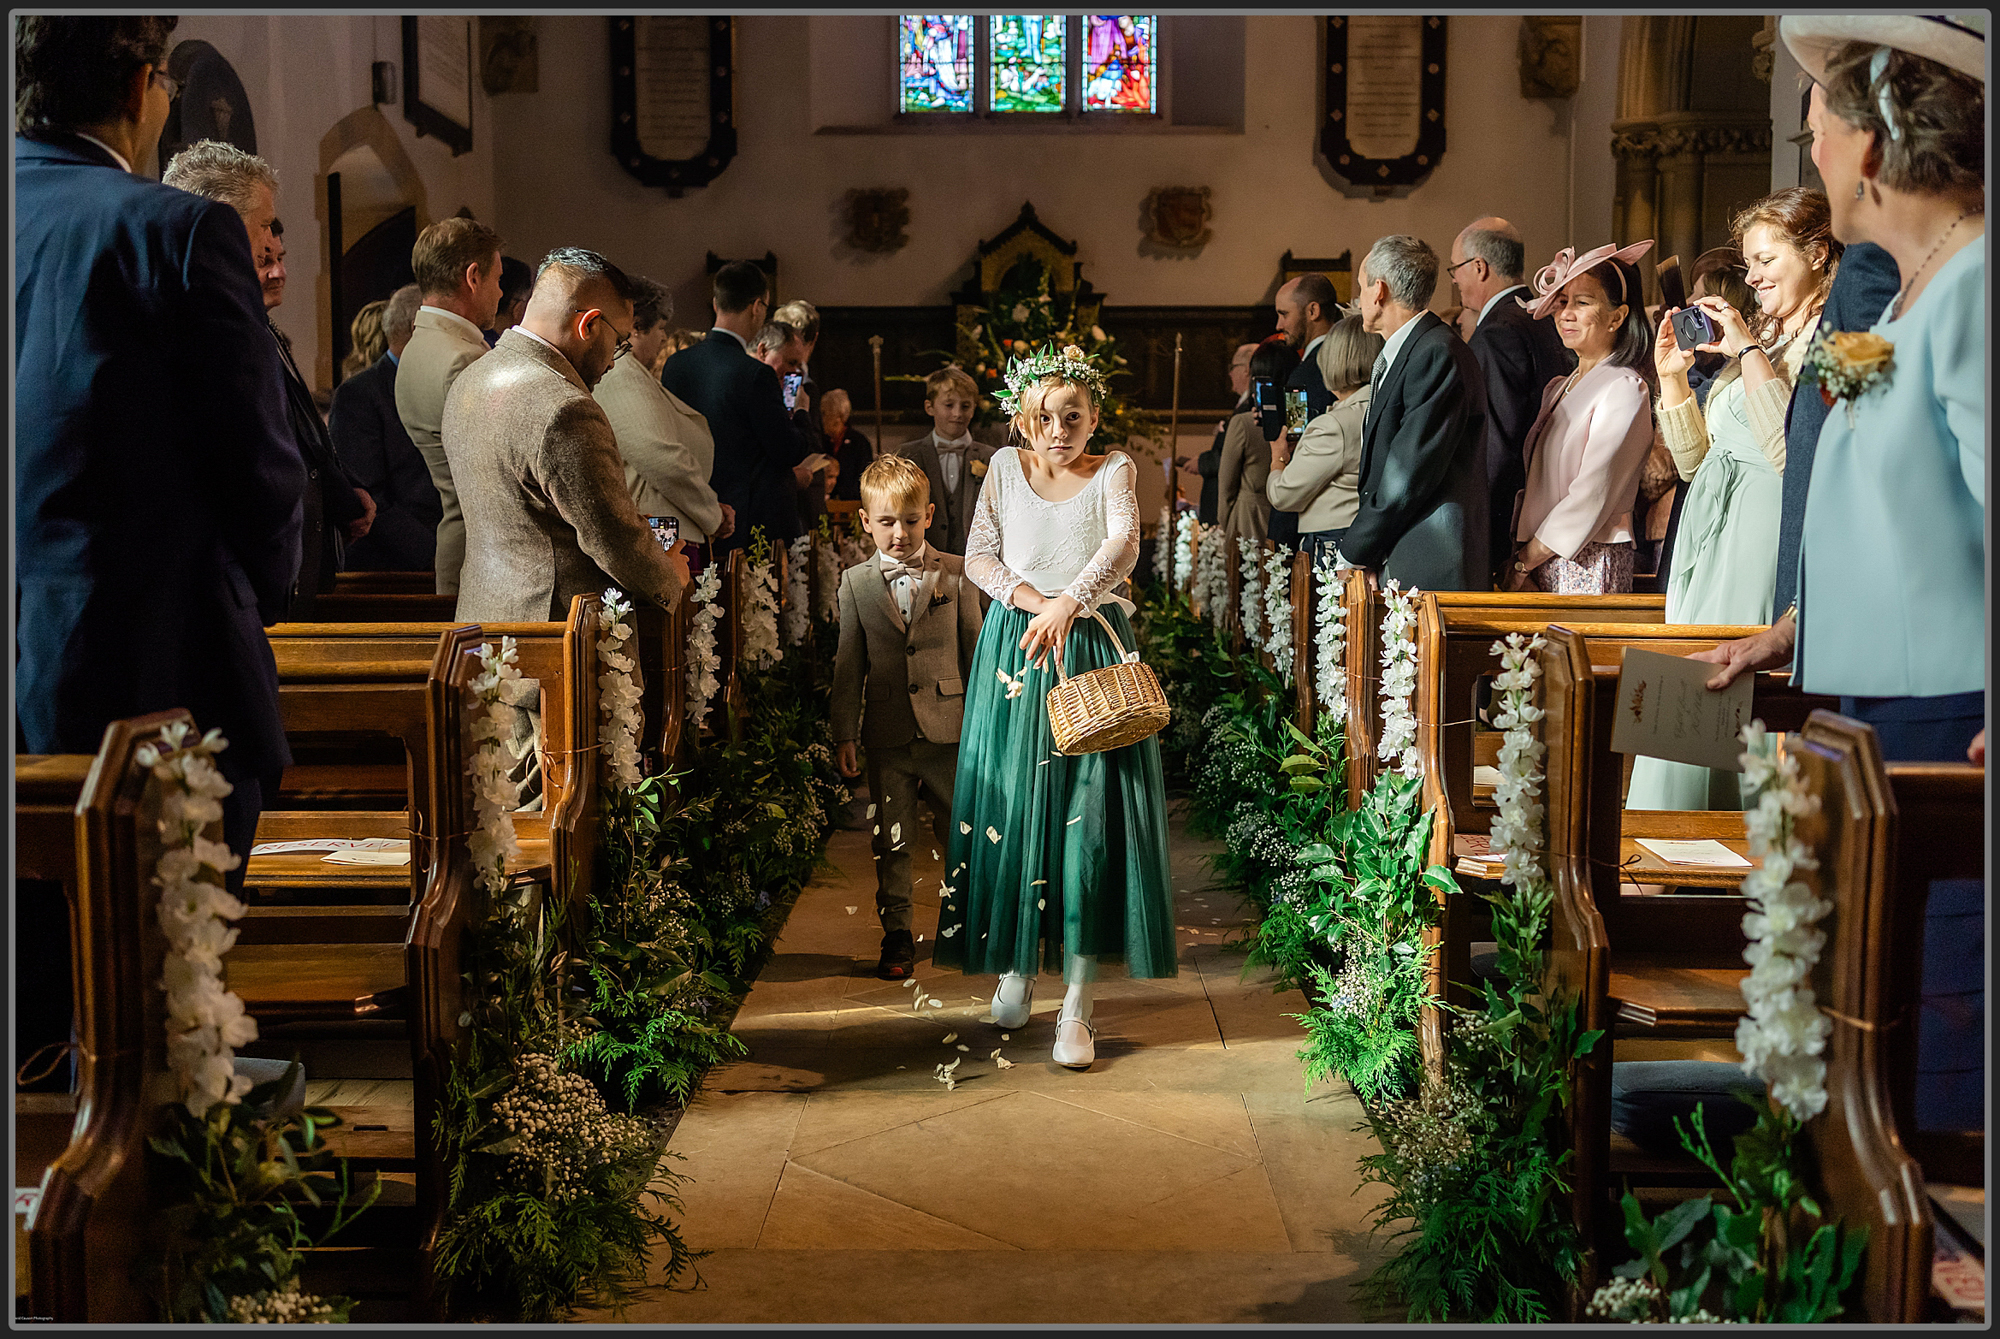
1385	66
437	78
673	97
670	73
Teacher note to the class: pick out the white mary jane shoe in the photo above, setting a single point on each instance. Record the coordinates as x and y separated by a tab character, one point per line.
1076	1043
1008	1013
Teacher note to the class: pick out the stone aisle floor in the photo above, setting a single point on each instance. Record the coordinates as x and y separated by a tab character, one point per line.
1186	1178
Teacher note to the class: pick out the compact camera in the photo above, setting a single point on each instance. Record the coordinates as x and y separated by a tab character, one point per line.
1694	327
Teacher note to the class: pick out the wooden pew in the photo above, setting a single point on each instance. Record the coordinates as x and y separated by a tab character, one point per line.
90	1223
383	606
385	583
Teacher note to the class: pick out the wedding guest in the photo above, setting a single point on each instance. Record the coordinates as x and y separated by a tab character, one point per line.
1588	445
680	337
1865	283
756	447
781	346
457	264
132	396
666	446
517	283
955	464
1891	592
335	508
1209	463
1717	272
1423	514
1733	452
381	458
365	338
803	317
547	514
1518	356
1307	307
1240	499
1321	479
848	446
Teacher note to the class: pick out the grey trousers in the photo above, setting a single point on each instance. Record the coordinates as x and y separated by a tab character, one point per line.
451	525
897	777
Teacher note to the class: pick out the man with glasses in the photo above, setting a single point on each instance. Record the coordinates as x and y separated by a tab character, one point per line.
1518	357
158	488
536	464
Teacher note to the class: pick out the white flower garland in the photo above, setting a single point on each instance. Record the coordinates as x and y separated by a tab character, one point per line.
798	591
760	615
1399	680
205	1020
1516	834
1163	545
1330	639
1184	533
492	841
704	661
1783	1037
1212	576
826	601
1278	610
1250	596
618	717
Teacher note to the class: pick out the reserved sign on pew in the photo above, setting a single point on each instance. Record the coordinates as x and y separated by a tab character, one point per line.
1665	710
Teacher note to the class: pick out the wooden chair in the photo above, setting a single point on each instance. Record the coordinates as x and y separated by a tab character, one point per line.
90	1223
1862	1173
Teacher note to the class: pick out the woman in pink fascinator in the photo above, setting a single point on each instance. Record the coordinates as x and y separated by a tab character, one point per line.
1573	521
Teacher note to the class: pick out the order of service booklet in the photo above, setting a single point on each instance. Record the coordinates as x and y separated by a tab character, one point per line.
1665	710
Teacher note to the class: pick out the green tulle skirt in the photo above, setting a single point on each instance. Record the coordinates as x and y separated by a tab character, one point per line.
1052	856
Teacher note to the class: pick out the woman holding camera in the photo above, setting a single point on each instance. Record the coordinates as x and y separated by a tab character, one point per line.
1246	454
1589	443
1732	449
1320	479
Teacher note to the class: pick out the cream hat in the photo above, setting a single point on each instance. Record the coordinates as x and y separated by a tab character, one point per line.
1567	265
1957	41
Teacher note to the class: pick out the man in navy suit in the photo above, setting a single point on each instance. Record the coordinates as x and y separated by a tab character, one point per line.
158	491
1307	307
1423	514
757	450
1518	357
377	452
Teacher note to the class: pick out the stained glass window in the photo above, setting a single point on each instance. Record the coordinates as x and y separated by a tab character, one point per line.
1119	71
1028	62
937	62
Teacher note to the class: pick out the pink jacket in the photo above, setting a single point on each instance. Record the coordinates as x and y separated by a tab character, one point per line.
1585	453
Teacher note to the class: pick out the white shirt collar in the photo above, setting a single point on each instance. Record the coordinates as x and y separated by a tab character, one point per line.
107	148
474	330
1392	348
1503	293
914	560
1310	347
964	439
733	335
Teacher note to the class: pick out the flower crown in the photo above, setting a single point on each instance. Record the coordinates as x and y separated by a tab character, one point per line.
1071	364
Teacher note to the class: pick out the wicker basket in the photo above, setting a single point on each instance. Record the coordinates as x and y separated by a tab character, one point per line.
1106	708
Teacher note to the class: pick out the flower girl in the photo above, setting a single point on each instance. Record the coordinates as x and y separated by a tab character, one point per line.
1057	863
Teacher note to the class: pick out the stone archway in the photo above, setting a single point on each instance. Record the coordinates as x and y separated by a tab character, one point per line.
378	181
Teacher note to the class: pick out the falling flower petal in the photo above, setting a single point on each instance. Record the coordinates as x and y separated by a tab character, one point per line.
1077	819
852	910
1006	1036
1041	904
1002	1061
964	827
911	982
895	832
871	811
992	834
947	932
949	1037
963	1047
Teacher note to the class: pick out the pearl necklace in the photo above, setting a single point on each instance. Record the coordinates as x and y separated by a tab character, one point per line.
1896	308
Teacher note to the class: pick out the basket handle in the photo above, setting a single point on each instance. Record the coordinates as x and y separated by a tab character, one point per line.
1062	676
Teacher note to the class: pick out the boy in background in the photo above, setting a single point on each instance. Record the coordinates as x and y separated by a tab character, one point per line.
950	459
908	624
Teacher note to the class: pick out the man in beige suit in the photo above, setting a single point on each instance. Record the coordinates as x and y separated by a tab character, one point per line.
457	264
666	445
547	516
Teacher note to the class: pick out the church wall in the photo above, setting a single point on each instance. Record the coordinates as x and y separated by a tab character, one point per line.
302	75
556	182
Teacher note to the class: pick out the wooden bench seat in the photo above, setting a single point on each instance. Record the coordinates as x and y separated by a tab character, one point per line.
1674	995
286	982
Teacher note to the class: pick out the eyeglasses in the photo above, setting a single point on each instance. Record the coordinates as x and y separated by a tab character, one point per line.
173	85
624	344
1461	265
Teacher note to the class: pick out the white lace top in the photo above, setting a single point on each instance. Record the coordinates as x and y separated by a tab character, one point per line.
1080	547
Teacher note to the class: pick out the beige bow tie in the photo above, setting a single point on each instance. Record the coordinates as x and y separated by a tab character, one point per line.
891	571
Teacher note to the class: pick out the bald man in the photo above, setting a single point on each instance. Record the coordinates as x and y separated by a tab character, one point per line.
539	477
1517	355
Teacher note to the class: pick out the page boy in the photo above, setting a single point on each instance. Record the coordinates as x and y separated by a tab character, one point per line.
909	621
951	460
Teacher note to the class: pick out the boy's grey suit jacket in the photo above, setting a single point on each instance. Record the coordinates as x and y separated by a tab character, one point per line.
895	682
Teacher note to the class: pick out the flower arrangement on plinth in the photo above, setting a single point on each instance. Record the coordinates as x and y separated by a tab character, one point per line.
1772	1257
1250	595
1278	610
704	659
618	716
205	1020
1398	748
492	842
760	608
1330	639
797	609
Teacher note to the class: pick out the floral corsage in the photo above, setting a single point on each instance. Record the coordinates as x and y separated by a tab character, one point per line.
1848	364
978	468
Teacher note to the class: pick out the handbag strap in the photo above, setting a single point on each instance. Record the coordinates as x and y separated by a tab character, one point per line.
1062	675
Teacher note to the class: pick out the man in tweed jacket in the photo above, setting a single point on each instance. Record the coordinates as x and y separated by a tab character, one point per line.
540	480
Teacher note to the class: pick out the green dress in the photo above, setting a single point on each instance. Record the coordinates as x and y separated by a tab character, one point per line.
1052	857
